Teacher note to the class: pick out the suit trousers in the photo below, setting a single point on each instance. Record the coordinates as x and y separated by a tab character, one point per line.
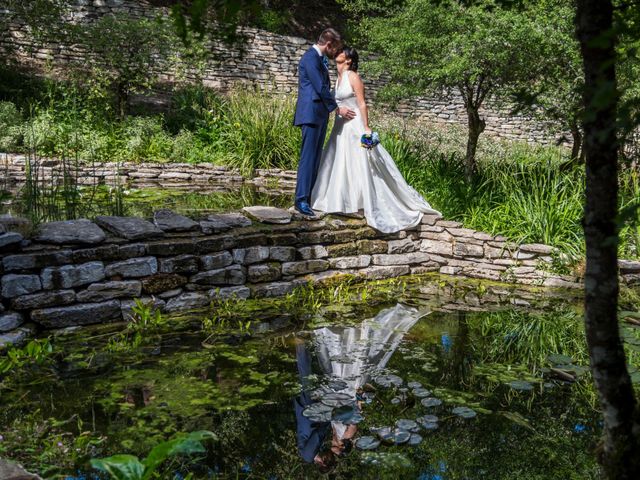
310	154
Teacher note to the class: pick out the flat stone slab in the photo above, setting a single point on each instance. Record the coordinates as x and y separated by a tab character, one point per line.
9	321
12	471
133	268
169	221
16	224
15	338
80	231
131	228
628	266
44	299
222	222
15	285
100	292
81	314
268	214
10	239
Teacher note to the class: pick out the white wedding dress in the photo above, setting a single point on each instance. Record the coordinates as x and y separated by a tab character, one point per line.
351	178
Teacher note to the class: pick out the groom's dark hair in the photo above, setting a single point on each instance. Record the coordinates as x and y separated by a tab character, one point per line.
329	35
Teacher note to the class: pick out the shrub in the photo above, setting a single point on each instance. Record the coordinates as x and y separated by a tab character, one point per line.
10	132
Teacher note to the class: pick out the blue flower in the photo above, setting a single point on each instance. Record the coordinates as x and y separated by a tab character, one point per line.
579	428
446	342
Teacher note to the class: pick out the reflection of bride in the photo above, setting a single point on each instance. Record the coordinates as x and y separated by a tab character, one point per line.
352	355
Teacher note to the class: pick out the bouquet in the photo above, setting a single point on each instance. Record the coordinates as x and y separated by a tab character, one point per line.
369	140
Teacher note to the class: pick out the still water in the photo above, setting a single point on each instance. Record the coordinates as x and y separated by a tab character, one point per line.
425	379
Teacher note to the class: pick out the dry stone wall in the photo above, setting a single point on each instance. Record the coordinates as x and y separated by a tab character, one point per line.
270	61
81	272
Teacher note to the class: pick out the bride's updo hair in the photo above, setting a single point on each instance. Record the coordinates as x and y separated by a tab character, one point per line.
351	54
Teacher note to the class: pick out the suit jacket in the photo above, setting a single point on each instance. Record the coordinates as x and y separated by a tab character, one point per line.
315	100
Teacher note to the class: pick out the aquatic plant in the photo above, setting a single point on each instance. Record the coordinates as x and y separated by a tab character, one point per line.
145	320
36	352
129	467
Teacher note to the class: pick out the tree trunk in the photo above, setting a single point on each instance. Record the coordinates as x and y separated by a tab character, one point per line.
476	127
576	148
620	458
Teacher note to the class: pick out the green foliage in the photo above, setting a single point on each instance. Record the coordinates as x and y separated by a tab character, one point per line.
36	352
146	321
10	121
129	467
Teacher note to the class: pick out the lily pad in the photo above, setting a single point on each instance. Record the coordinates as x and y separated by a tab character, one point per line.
345	414
464	412
389	381
384	433
400	436
520	385
337	385
336	399
396	401
558	358
406	424
318	412
367	443
414	385
415	439
421	392
431	402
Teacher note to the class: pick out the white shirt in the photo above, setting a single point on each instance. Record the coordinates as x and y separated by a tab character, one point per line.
317	49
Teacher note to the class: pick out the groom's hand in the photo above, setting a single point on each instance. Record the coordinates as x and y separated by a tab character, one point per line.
347	113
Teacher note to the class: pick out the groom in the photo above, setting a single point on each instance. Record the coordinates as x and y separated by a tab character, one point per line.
315	102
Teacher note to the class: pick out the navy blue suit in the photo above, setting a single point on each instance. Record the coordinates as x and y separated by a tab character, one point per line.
315	102
310	435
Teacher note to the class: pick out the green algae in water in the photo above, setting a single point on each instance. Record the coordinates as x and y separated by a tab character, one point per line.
243	393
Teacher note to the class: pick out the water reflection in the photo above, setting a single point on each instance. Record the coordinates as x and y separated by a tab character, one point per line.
347	358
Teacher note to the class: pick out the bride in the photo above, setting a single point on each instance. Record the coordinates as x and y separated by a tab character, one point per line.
350	177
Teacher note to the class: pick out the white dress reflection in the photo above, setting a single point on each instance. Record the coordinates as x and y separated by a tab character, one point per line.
350	355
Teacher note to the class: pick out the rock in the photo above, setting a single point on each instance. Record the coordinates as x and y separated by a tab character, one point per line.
461	232
177	246
187	301
133	268
131	228
13	471
343	263
21	225
482	236
80	314
498	253
370	247
15	285
449	270
216	260
343	249
80	231
15	338
437	247
401	259
169	221
448	224
10	240
69	276
268	214
222	222
233	275
382	272
28	261
405	245
161	282
467	250
3	229
313	252
100	292
180	264
246	256
305	266
430	219
524	255
628	266
230	293
170	293
264	273
273	289
561	283
44	299
282	254
10	320
537	248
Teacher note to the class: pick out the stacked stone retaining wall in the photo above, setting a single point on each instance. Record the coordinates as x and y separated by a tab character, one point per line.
269	61
81	272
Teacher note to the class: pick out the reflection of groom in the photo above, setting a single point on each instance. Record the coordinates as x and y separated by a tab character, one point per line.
315	102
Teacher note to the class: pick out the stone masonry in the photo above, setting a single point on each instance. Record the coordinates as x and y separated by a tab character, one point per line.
80	272
268	61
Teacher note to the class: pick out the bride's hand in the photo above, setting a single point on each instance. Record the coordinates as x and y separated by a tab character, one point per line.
367	131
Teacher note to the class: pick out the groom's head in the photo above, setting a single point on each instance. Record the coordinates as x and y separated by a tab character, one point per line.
330	41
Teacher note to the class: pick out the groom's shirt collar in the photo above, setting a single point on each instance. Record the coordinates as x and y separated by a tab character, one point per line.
317	49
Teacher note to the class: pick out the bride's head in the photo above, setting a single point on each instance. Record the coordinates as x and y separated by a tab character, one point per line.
347	59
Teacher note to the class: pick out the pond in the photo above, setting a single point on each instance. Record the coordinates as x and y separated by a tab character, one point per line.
453	379
89	202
